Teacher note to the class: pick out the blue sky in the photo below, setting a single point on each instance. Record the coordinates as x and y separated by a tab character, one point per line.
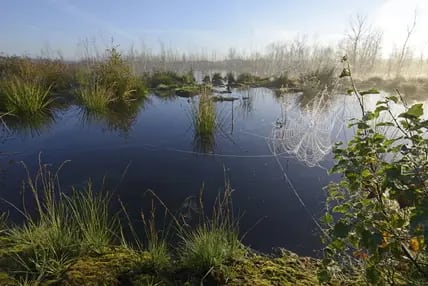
28	26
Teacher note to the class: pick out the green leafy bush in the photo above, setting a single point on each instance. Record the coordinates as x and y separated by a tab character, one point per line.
377	214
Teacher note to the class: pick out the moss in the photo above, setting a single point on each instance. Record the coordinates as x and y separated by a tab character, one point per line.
187	90
285	269
8	253
106	269
5	279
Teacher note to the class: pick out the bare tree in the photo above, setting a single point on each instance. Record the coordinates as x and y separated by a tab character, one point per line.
403	56
358	27
362	44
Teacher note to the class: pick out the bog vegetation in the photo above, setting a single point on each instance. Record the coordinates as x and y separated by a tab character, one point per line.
375	225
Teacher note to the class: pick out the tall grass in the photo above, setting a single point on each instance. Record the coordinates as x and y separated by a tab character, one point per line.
215	240
203	116
25	97
95	97
62	228
90	213
156	240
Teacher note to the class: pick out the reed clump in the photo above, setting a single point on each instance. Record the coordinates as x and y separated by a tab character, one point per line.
107	82
203	115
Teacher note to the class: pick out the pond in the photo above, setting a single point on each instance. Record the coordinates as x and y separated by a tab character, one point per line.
274	151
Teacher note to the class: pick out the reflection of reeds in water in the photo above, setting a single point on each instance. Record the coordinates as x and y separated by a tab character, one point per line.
118	116
246	105
203	114
32	125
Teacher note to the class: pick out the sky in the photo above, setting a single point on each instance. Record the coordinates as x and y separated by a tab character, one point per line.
33	26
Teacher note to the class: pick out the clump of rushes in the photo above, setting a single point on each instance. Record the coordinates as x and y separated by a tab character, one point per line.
25	97
90	213
157	246
215	240
63	229
115	73
108	81
95	96
203	116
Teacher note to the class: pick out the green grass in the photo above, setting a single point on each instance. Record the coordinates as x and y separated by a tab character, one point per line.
25	97
90	213
95	97
156	240
215	240
62	229
203	115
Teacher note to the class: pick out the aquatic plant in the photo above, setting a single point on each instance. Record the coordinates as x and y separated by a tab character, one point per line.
167	79
117	75
23	97
119	116
95	96
108	81
203	115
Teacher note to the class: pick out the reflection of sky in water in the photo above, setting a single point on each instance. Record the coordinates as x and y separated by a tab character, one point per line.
157	152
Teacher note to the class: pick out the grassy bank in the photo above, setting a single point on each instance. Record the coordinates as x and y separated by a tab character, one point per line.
73	239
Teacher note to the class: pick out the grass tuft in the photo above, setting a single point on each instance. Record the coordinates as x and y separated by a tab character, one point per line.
215	240
95	97
90	213
25	97
203	115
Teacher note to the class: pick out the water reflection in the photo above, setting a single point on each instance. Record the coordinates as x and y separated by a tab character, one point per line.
31	126
119	117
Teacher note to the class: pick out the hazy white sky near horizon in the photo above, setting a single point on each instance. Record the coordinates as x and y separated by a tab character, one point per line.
28	26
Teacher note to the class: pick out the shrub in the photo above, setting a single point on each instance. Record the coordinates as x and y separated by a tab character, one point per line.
116	74
206	79
217	79
168	79
376	218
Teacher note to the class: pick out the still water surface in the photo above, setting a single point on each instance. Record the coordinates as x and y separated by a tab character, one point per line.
154	147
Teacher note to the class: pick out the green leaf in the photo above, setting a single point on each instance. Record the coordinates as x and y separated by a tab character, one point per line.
328	218
366	173
393	98
414	112
323	276
370	91
372	275
341	208
341	229
385	124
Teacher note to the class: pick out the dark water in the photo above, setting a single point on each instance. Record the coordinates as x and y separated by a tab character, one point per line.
153	147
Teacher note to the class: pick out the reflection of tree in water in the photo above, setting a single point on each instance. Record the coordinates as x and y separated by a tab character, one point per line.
120	116
310	132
